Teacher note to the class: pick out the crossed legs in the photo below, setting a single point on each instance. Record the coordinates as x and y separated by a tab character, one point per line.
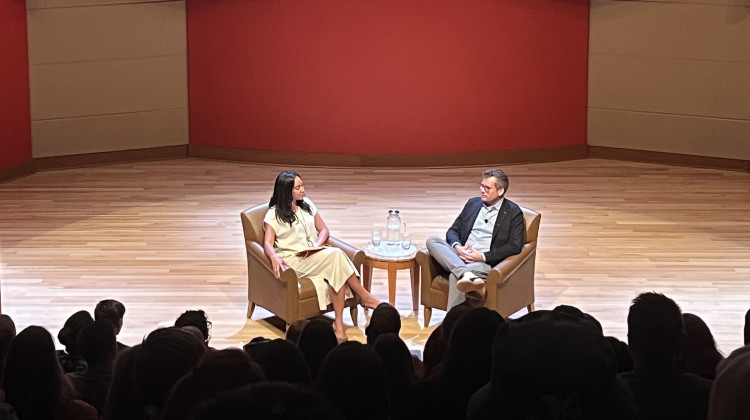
448	258
338	300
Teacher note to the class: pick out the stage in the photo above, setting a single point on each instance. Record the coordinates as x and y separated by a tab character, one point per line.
165	236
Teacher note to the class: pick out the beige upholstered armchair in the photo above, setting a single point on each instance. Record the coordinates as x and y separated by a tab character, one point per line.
288	297
510	284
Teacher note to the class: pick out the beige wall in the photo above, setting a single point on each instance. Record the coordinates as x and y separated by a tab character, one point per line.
107	75
670	76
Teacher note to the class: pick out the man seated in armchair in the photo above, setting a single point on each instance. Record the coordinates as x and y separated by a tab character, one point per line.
489	229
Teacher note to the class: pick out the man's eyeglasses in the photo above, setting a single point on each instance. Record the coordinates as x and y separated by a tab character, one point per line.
484	187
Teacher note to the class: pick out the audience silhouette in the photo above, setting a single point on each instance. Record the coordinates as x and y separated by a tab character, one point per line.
316	340
34	383
544	365
699	354
7	333
353	379
655	335
729	400
71	359
114	312
98	347
217	371
197	319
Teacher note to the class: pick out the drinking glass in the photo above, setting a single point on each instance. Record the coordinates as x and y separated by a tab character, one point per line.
377	235
405	240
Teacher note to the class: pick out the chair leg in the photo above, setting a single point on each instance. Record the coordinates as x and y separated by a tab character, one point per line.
427	316
530	307
250	309
354	312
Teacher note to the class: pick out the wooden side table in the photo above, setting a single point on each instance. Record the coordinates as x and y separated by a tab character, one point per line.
392	264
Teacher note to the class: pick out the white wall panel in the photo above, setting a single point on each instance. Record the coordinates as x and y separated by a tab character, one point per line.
108	87
687	87
669	133
107	32
110	133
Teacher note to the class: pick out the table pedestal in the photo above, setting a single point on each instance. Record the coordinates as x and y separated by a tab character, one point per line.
392	267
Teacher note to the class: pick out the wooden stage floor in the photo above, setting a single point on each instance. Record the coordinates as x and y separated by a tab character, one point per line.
164	237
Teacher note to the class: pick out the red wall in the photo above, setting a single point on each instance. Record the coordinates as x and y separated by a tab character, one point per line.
388	76
15	118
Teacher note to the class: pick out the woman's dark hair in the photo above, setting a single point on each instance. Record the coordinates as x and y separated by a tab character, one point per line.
68	335
282	197
699	353
33	381
197	319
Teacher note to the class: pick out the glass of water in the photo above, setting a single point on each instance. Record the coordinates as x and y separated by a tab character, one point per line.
377	235
405	240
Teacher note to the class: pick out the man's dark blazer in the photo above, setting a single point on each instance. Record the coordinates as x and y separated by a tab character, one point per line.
507	235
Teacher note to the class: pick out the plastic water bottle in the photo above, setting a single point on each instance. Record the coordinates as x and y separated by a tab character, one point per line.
393	231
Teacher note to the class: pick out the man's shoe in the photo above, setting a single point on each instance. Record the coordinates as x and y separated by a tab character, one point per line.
470	283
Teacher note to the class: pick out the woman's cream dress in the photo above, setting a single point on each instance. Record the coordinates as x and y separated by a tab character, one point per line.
330	266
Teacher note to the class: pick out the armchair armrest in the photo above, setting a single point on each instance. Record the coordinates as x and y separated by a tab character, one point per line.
356	255
255	250
429	269
427	265
506	267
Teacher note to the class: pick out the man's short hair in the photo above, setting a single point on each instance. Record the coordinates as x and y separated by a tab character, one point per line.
655	329
110	310
501	180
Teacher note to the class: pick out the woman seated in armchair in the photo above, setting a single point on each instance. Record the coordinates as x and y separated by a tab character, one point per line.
295	235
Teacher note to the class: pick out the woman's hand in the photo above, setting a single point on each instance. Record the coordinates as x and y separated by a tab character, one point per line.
278	266
268	240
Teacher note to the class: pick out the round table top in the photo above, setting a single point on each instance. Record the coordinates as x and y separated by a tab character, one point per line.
385	252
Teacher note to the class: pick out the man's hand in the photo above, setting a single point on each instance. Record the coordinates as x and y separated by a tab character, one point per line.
467	253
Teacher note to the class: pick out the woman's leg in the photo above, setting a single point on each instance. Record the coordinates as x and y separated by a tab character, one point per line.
337	299
368	300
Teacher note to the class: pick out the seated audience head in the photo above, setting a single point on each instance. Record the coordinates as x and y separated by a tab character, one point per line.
699	354
729	400
450	320
124	400
98	344
353	378
217	371
295	329
268	400
655	331
164	357
197	319
112	311
622	354
315	342
7	333
471	340
432	355
572	310
399	368
33	381
437	342
68	335
747	327
385	319
280	360
549	364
